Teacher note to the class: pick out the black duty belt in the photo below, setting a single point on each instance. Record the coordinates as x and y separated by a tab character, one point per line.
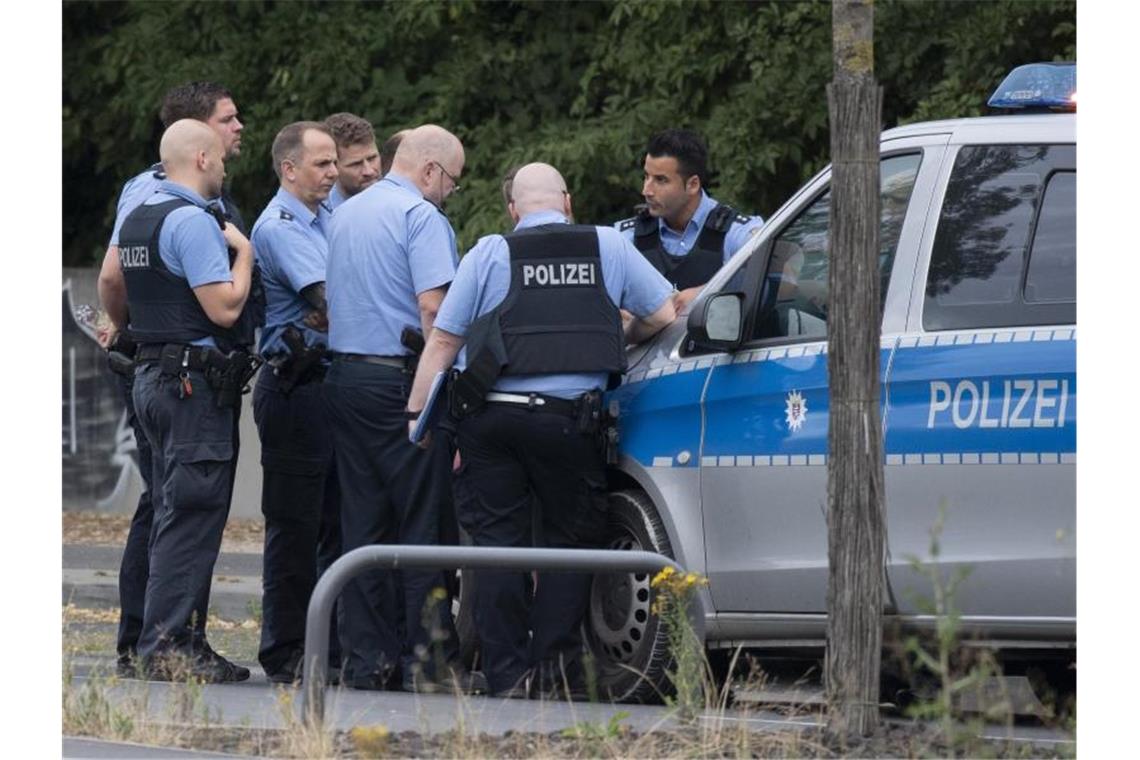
194	358
537	402
399	362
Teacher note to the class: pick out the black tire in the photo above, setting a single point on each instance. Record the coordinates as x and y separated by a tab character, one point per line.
628	645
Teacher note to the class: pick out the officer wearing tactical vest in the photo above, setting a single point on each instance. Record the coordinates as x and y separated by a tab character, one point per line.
213	105
300	497
683	232
391	257
538	310
190	312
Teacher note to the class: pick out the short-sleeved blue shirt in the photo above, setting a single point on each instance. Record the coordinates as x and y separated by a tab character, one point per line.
191	243
136	190
387	244
292	252
680	244
484	277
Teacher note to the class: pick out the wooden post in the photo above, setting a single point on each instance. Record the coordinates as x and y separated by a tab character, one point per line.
856	542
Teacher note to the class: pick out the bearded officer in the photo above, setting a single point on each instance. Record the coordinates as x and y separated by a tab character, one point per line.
538	310
189	311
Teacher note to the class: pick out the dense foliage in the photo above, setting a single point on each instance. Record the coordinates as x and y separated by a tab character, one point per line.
578	84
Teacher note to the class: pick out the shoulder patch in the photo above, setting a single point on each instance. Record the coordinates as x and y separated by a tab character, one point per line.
286	215
627	224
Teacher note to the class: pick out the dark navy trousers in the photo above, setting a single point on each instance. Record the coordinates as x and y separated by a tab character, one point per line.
515	461
300	499
391	493
135	565
194	449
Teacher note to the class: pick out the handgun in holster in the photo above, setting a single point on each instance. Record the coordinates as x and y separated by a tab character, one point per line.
467	391
301	363
121	355
413	340
229	376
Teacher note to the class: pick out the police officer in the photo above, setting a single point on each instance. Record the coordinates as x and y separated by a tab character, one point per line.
213	105
684	233
358	159
538	310
391	256
388	151
189	313
300	497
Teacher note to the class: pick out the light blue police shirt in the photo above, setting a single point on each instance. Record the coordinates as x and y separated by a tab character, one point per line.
387	244
484	277
336	197
679	244
292	251
136	190
191	243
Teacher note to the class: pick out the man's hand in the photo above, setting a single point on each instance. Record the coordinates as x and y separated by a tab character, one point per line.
104	334
424	442
682	298
234	238
317	320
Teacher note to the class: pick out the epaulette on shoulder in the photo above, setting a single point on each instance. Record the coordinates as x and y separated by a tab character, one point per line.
627	224
286	215
157	171
742	219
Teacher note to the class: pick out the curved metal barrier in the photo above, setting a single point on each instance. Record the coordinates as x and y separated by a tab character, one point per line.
392	557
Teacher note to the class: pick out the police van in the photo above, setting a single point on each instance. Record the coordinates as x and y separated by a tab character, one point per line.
723	417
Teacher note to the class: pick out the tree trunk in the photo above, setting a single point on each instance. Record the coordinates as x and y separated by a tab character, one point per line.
855	516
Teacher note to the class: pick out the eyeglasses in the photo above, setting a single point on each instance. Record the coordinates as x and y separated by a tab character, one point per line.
454	181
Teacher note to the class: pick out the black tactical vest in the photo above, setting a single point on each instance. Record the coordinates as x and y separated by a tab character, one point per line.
557	316
162	306
699	265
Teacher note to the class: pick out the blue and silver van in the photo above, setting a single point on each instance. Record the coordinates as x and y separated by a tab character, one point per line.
723	444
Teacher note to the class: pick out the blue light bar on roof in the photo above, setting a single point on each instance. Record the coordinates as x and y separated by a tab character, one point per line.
1038	86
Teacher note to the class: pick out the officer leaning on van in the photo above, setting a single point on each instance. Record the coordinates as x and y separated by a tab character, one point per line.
538	310
685	234
300	497
211	104
193	317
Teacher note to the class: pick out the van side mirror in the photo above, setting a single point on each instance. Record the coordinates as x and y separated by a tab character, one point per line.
715	322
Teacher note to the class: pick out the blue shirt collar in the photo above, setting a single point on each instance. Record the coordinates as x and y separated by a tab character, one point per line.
404	182
181	191
535	218
294	206
706	205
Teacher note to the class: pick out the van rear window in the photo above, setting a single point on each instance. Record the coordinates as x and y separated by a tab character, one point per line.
1005	249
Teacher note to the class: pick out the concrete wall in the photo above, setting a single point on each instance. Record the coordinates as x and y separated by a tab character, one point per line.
100	471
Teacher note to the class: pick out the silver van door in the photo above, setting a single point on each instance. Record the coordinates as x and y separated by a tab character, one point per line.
764	453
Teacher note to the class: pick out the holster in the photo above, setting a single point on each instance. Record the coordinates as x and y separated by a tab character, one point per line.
229	376
467	392
121	355
302	364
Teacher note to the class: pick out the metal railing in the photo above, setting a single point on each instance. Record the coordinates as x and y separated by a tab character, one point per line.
392	557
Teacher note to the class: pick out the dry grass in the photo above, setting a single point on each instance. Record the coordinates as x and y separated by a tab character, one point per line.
246	535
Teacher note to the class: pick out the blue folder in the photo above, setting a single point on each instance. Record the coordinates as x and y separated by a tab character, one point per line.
433	408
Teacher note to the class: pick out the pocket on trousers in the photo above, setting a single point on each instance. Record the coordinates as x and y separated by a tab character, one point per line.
200	475
293	486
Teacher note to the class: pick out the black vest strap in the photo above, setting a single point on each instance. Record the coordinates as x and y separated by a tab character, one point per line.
697	266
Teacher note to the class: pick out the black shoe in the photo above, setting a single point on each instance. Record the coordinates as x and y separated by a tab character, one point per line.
202	667
375	681
126	667
521	689
457	679
290	673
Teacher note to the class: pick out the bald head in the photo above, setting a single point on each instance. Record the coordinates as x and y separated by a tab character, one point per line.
432	158
539	187
192	154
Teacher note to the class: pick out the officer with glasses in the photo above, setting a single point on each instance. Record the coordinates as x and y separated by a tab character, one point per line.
392	254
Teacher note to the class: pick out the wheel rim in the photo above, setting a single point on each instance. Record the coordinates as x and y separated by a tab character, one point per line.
619	608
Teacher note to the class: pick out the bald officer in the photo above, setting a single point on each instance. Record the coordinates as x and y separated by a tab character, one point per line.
188	312
300	498
391	257
683	232
538	310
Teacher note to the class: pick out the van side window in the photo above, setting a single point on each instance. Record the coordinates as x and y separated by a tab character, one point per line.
1005	249
794	296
